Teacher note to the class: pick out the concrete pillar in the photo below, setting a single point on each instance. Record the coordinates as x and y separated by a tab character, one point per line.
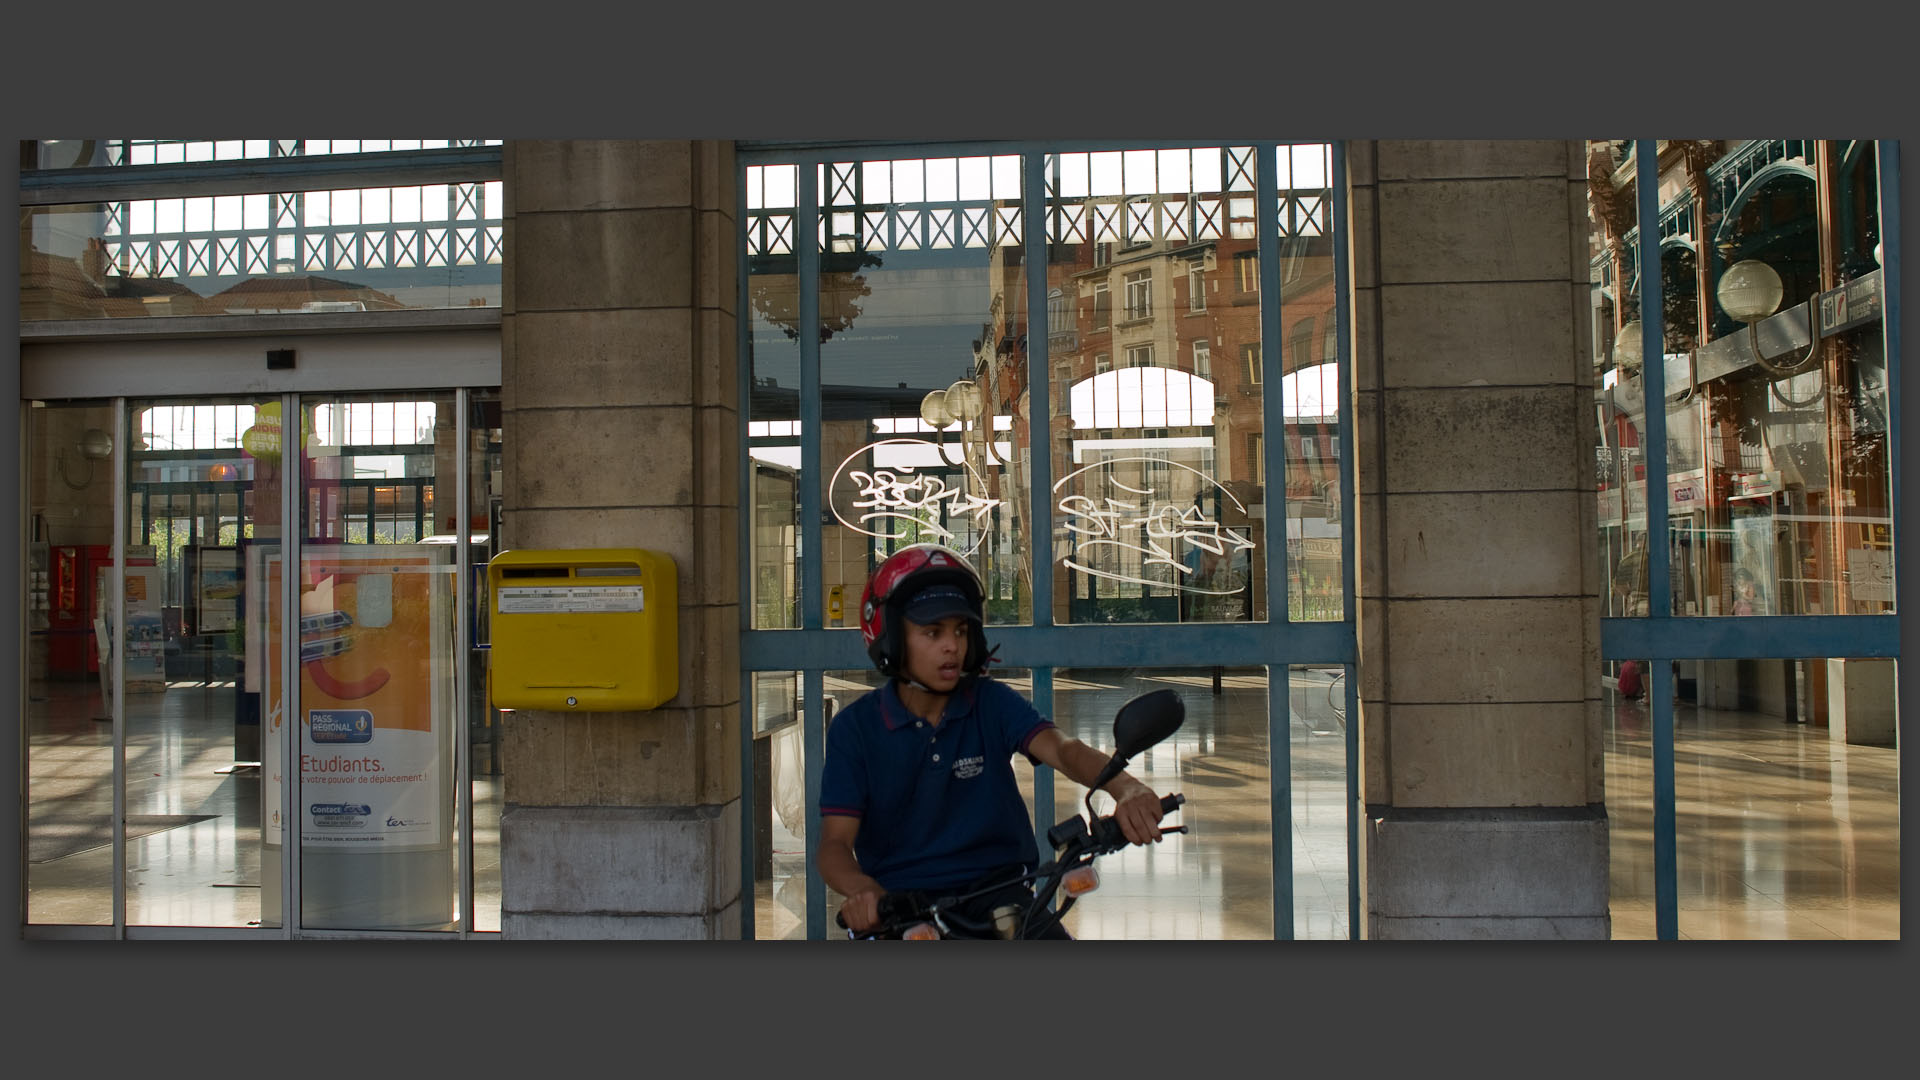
1862	707
620	428
1478	570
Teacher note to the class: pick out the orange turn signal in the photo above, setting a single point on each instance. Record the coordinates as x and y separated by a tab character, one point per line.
1080	881
921	932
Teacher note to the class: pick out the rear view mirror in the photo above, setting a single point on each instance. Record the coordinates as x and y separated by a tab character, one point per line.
1146	720
1139	724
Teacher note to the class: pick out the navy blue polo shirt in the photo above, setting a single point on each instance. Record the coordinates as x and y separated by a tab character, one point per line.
938	806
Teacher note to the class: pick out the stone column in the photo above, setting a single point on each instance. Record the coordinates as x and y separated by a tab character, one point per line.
620	428
1478	573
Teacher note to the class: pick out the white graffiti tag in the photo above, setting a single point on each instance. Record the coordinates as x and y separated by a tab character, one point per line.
915	498
880	495
1149	527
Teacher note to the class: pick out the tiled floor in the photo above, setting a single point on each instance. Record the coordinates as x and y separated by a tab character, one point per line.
203	864
1783	833
1214	882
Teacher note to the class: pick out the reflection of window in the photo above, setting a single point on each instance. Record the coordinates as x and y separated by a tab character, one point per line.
1246	271
1138	219
382	228
1255	448
1299	343
1202	360
1140	295
1102	254
375	423
1330	344
1250	359
1157	469
1062	378
1102	362
1058	316
1196	287
1102	306
1139	356
190	427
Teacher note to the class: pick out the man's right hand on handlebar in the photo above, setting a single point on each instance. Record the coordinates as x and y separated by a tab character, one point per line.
1136	810
861	911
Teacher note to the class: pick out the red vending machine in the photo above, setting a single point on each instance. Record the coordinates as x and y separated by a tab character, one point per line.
71	653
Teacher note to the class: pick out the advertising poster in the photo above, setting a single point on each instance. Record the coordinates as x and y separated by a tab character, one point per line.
375	681
146	643
146	663
217	590
1750	579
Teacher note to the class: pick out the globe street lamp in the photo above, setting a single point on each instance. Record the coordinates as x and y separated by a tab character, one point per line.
934	410
1750	291
1627	348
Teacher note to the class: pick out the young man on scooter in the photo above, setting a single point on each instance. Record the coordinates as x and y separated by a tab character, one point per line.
918	790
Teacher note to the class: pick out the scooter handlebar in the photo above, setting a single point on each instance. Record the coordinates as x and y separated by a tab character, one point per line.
1107	835
898	910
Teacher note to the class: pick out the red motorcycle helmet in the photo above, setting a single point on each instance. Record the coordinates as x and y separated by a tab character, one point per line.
901	577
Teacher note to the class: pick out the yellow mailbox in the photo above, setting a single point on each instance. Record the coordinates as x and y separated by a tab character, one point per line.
593	629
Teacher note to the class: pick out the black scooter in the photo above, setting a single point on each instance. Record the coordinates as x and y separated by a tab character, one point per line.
920	916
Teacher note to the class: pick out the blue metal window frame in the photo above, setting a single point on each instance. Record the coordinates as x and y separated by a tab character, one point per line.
1660	636
1043	647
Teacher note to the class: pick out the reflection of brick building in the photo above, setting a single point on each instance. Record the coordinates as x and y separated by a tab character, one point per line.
301	293
1187	306
53	287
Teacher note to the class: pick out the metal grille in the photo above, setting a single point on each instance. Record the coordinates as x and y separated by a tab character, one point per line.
430	225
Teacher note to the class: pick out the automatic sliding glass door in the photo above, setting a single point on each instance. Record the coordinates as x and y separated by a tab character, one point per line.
161	597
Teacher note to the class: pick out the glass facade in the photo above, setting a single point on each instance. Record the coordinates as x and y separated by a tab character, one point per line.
1093	438
1157	505
1216	880
332	240
1157	454
179	676
922	292
1786	828
1099	370
70	738
363	794
1772	300
771	323
1744	403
